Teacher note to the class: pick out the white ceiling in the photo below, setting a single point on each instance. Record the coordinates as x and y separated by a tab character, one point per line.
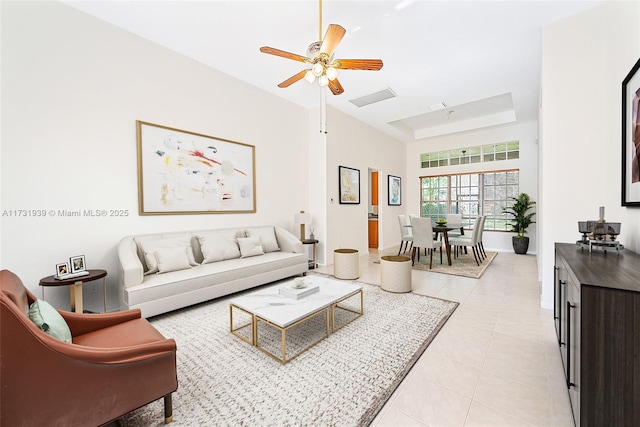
480	58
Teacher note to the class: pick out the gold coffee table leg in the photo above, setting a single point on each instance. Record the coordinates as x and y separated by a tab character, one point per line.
252	324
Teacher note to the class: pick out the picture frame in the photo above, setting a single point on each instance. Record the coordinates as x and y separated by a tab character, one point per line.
183	172
631	138
394	190
349	185
77	263
62	269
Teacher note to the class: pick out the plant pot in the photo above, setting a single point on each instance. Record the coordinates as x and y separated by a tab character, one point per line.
520	244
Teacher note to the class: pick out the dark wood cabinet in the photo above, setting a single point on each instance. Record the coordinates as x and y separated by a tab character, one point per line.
597	316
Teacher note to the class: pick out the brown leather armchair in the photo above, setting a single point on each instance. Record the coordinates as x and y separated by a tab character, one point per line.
116	363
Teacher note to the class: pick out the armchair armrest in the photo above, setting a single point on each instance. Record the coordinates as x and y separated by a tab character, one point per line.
38	344
111	356
84	323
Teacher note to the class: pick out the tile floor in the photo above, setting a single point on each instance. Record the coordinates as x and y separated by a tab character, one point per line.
495	362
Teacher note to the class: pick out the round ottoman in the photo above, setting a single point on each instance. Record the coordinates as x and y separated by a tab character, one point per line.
395	273
346	263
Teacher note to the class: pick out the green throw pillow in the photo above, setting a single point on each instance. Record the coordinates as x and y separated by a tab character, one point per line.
49	320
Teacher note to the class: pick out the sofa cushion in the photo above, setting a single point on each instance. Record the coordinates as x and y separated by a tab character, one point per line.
219	245
125	334
177	283
150	244
49	320
172	259
250	246
267	236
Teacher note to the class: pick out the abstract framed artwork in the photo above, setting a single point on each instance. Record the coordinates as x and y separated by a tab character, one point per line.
394	190
182	172
631	138
349	185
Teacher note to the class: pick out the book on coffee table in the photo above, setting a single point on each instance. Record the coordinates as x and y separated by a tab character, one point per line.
298	293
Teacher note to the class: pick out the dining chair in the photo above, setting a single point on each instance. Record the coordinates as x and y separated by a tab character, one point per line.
470	241
480	244
406	234
455	221
423	238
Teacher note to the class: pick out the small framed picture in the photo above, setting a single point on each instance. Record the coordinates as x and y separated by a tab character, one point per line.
394	190
349	185
77	263
631	138
62	269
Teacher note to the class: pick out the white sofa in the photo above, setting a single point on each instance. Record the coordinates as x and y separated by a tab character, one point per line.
166	271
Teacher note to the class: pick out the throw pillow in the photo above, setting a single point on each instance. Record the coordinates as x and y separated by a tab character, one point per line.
49	320
173	259
149	245
267	236
218	246
250	246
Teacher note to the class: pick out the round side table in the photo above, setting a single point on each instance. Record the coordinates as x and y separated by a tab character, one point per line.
346	264
395	273
75	287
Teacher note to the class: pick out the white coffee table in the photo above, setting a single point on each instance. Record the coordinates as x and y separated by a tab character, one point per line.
268	306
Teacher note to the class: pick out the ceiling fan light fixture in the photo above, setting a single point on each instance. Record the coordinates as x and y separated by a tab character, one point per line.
317	69
320	58
309	77
331	73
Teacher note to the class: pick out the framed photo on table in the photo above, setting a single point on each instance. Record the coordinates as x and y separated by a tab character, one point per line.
62	269
77	263
349	185
394	190
631	138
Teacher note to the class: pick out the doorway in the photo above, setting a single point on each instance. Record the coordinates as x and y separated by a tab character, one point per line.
372	219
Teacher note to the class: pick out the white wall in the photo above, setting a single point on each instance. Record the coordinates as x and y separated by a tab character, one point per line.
585	59
72	89
354	144
527	134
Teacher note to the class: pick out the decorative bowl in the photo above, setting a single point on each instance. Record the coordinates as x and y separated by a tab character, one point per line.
441	221
298	283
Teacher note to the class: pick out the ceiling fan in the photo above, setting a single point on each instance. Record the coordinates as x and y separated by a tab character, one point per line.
320	58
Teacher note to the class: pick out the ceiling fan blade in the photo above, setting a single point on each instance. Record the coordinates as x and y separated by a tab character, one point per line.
358	64
282	53
332	38
291	80
336	87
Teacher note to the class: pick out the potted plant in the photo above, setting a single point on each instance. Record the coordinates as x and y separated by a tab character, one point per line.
521	220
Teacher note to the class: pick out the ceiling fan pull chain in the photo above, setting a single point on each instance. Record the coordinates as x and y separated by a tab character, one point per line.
323	111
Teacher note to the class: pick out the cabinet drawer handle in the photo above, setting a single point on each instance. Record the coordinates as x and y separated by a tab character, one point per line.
556	316
569	307
562	283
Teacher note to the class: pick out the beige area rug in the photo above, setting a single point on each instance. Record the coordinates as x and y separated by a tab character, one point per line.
342	381
465	265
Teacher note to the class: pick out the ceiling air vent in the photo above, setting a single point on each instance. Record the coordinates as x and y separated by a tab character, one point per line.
373	97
